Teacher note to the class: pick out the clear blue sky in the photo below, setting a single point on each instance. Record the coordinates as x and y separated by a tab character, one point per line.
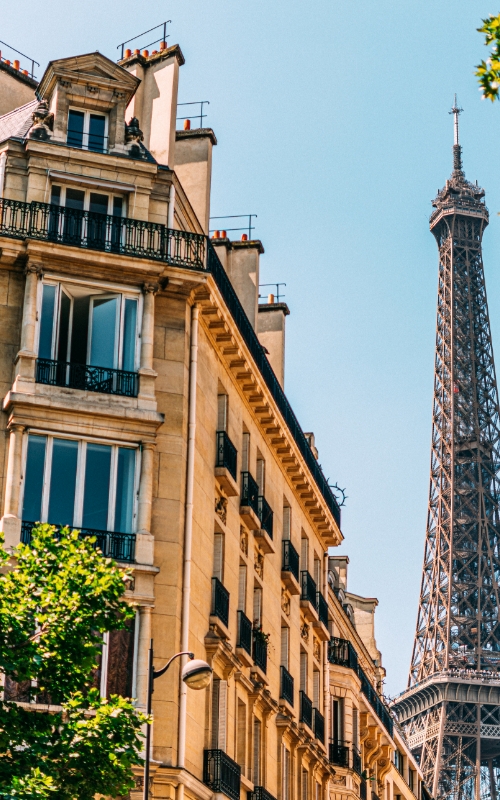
332	123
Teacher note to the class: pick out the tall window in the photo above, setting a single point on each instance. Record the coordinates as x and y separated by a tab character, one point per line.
303	671
337	719
219	714
114	674
245	452
222	405
285	793
285	647
316	689
317	572
304	553
86	200
287	521
304	781
257	729
355	727
261	475
87	130
257	607
79	483
218	571
242	588
241	734
83	326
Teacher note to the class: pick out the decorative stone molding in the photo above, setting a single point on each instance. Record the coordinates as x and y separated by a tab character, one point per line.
43	122
285	602
259	564
304	631
243	540
221	508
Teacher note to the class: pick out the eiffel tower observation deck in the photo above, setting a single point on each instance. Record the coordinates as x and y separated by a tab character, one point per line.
451	709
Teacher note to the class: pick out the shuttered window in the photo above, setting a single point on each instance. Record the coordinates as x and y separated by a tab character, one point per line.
337	719
318	791
355	726
316	689
219	556
285	643
242	588
219	714
287	519
285	794
257	727
303	671
304	784
241	737
222	412
317	573
257	607
304	553
245	452
261	475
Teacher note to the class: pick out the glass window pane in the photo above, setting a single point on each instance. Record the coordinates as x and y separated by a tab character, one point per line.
55	196
75	128
63	482
117	206
75	199
64	312
47	322
124	490
102	342
96	133
129	335
79	334
33	482
98	203
96	492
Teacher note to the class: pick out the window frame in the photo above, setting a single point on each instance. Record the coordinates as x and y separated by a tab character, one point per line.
100	291
87	112
80	475
87	191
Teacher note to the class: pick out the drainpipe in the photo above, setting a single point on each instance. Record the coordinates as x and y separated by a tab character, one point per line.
326	685
171	204
188	537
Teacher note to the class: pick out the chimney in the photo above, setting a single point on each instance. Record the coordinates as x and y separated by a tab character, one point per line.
193	166
155	101
271	333
312	444
339	565
16	88
242	267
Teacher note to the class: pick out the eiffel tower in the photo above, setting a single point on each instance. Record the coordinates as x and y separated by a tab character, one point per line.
451	709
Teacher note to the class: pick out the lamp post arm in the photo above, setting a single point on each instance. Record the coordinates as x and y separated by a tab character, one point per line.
157	673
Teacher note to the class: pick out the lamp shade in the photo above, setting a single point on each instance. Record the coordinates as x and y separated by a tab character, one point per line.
197	674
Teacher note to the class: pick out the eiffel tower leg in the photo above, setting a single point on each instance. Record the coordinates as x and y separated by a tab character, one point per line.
493	788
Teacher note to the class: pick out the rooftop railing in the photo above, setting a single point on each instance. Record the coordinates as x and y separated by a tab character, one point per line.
155	241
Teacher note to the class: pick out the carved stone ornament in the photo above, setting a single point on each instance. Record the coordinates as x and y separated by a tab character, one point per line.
92	89
221	508
339	780
150	288
243	541
317	650
259	564
285	602
304	631
133	132
43	122
65	84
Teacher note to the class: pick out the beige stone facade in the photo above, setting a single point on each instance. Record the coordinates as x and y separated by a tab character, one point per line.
140	404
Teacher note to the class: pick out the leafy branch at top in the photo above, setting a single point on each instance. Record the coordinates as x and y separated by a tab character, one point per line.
488	72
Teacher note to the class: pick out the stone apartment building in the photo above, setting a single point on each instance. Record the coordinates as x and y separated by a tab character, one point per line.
143	403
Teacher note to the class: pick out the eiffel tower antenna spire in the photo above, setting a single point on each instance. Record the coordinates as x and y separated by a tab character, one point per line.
457	150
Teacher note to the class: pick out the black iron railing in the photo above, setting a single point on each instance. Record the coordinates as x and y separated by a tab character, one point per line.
179	248
249	492
226	455
87	378
221	773
356	760
362	790
259	793
286	685
290	559
305	710
338	754
220	601
266	516
244	634
120	546
322	607
308	587
319	725
341	652
259	651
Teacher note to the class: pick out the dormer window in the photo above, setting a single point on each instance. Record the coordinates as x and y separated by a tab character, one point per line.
87	130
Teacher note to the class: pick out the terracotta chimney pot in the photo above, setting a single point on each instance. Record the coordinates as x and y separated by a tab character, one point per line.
128	52
16	64
270	298
137	52
163	46
223	235
145	53
187	124
244	237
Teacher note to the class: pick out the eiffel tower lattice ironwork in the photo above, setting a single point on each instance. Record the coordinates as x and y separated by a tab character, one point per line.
451	709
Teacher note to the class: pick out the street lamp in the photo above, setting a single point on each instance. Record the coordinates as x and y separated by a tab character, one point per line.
195	674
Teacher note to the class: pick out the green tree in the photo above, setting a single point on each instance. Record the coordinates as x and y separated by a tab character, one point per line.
488	72
57	597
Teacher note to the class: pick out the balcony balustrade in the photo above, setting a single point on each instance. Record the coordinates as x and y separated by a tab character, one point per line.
319	725
362	790
305	710
244	633
356	760
220	601
249	492
259	652
221	773
259	793
338	753
87	378
265	515
322	607
290	559
120	546
226	454
286	686
308	588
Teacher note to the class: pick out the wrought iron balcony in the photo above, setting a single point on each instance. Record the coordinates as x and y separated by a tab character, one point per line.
338	754
376	702
305	710
290	559
120	546
362	790
220	601
356	760
286	685
244	634
259	651
249	492
322	607
319	725
308	587
342	653
221	773
259	793
266	516
226	453
88	378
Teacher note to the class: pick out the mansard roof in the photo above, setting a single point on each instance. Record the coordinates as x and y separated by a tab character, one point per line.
17	122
